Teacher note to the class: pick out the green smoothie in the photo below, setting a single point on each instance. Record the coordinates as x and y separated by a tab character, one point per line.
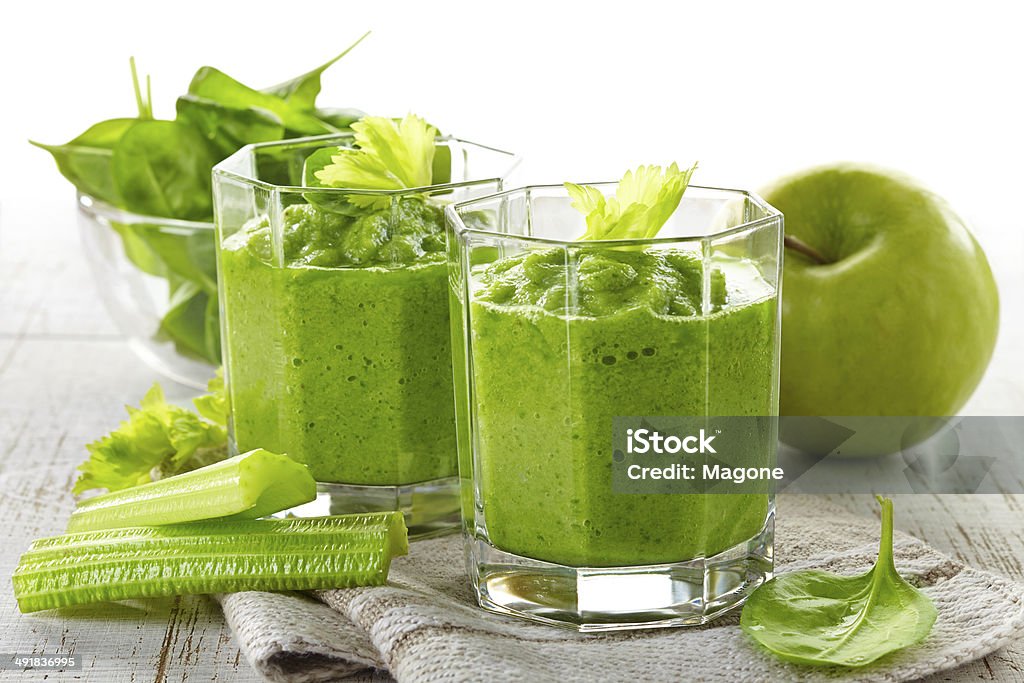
339	351
560	348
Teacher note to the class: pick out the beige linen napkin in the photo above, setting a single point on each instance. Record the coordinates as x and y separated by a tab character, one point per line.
425	626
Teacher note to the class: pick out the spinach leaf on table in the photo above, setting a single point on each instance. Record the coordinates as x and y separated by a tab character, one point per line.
816	617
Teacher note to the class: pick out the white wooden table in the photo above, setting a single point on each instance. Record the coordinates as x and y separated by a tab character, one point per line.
65	375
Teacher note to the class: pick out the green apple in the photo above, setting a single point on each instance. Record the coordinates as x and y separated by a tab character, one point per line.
888	303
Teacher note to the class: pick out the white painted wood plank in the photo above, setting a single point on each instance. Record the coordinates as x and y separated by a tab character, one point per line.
45	285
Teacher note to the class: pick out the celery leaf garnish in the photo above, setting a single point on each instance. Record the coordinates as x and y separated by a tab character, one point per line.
389	155
644	200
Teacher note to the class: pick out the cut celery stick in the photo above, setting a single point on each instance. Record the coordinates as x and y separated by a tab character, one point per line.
209	557
247	486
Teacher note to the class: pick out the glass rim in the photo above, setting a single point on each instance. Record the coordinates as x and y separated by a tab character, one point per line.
97	207
455	218
219	170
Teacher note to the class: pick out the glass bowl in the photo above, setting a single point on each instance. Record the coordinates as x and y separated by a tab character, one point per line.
157	278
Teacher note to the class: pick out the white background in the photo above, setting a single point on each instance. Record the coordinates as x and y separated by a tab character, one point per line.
581	90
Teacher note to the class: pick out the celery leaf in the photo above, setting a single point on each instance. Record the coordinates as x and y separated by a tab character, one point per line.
157	440
644	200
389	155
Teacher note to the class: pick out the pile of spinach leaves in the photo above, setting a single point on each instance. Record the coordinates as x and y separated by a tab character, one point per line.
161	168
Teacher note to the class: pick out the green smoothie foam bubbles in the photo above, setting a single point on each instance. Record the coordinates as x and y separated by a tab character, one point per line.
333	284
667	306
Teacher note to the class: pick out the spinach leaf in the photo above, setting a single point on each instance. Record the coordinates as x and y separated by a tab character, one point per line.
186	322
213	84
340	118
441	171
301	92
138	250
211	328
335	202
143	101
159	250
225	128
162	168
316	162
86	160
815	617
180	257
189	255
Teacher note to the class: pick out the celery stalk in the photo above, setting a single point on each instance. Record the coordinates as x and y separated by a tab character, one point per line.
247	486
209	557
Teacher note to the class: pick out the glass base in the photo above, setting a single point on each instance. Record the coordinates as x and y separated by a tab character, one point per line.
594	599
431	507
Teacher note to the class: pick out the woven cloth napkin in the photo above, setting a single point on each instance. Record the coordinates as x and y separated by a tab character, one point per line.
425	625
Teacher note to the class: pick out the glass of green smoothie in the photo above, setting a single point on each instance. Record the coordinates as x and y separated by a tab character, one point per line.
558	338
334	305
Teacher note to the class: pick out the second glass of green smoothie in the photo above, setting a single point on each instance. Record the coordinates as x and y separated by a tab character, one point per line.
558	342
335	323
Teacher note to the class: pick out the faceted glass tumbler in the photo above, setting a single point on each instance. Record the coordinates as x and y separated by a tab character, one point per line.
555	339
335	324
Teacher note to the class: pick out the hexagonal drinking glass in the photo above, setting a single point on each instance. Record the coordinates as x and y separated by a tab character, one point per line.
335	324
556	341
